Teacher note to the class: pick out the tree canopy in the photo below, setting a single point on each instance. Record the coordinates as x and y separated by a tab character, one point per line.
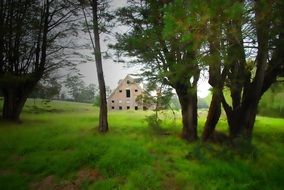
239	42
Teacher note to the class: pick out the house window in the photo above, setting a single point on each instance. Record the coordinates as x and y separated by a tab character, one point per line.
120	107
127	93
128	107
136	90
128	82
120	90
112	101
136	107
112	107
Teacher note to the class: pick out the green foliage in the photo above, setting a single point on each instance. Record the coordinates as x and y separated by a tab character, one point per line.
184	23
161	38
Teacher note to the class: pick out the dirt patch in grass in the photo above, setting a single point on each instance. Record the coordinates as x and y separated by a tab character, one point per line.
6	172
170	183
87	174
83	175
17	158
45	184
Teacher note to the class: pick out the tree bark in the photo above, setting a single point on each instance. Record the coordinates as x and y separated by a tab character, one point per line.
213	116
241	122
103	120
188	101
233	118
15	97
12	107
248	122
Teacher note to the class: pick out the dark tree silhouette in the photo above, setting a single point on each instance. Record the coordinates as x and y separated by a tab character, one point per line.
29	36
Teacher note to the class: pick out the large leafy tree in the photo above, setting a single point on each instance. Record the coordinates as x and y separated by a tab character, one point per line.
240	42
247	80
168	45
31	46
245	45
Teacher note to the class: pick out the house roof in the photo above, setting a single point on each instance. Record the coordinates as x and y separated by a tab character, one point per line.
128	77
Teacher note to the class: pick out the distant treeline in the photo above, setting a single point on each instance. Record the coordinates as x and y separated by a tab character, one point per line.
73	88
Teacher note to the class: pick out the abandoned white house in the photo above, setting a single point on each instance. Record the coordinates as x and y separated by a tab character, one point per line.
124	96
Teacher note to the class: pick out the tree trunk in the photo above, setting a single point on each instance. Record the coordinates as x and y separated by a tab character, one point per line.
233	118
103	120
213	116
14	101
234	125
241	123
188	103
216	77
248	122
242	119
246	112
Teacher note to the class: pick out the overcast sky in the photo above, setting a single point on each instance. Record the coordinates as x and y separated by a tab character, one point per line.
113	72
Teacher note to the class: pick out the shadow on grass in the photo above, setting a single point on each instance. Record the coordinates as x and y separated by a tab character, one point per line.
204	152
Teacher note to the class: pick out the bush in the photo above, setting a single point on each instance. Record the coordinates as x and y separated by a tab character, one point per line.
153	121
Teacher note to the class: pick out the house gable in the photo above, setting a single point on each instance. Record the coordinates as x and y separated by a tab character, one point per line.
124	96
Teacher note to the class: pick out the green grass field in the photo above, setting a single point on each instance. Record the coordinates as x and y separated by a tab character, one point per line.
57	146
